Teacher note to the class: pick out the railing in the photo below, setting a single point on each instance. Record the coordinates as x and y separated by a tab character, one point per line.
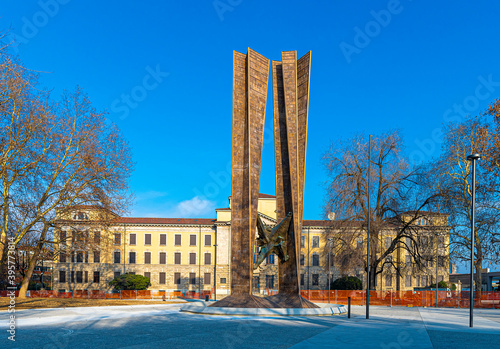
450	299
123	294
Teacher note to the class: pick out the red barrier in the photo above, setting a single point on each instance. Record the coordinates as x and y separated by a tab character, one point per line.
129	294
144	294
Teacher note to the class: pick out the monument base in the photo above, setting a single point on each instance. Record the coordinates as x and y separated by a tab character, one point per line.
290	300
276	301
243	301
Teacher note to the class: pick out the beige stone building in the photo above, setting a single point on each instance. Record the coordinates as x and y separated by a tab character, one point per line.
182	254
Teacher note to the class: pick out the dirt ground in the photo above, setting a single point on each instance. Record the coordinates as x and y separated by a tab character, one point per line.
37	303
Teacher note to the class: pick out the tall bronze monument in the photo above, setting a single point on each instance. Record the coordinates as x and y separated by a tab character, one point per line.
290	101
290	106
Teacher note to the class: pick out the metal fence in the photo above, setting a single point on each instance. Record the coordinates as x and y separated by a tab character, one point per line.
124	294
451	299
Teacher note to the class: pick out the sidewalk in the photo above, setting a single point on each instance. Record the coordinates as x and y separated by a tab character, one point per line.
151	326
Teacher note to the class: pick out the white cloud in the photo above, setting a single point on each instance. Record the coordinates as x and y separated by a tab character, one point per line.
197	207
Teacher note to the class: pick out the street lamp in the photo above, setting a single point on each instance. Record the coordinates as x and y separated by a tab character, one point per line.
473	159
368	231
329	264
437	270
215	272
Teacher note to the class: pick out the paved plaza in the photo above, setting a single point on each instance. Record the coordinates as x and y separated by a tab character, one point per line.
163	326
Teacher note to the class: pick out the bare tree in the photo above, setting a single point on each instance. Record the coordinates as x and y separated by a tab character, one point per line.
397	205
54	154
453	179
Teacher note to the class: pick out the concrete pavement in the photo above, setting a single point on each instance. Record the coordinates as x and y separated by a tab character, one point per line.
163	326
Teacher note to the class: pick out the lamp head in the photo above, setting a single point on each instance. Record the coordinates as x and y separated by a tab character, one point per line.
473	157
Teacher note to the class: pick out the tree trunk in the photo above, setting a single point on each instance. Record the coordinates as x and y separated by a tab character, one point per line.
478	278
26	279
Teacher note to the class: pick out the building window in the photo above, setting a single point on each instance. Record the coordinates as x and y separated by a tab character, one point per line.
315	242
116	274
97	237
441	261
62	276
97	277
208	258
178	239
62	237
72	276
163	258
270	259
133	239
177	258
131	257
408	281
208	240
192	258
302	280
302	259
207	278
148	275
256	283
177	278
388	280
315	260
118	239
192	240
116	257
408	261
86	254
97	257
192	278
302	241
72	255
269	281
79	277
162	278
388	242
62	257
223	280
147	239
79	257
315	279
147	257
163	239
86	276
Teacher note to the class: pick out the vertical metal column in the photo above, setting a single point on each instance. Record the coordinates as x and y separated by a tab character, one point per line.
368	232
473	159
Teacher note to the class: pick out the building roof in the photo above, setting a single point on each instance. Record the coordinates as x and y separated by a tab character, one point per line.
264	196
147	220
317	223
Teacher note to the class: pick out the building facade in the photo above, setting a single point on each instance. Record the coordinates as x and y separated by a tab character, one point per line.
194	254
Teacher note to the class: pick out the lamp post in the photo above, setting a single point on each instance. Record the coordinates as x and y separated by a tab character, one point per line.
472	158
329	264
437	262
215	271
368	231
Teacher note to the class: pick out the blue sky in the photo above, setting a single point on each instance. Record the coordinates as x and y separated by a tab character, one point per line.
163	69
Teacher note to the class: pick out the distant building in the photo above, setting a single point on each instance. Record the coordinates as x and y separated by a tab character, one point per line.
490	280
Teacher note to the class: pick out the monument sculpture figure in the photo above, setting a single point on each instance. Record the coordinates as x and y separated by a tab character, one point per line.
290	109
